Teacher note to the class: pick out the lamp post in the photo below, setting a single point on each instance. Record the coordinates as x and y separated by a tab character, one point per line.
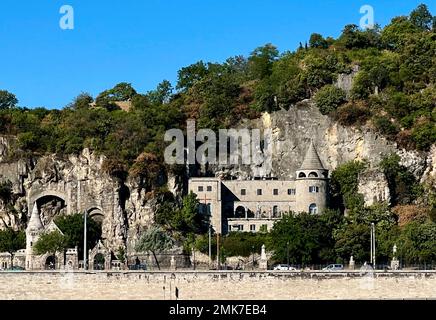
210	246
287	251
252	252
84	239
372	251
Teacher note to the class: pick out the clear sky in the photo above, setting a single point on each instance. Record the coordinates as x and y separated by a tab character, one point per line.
146	41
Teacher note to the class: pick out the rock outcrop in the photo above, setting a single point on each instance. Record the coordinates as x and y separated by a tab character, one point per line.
75	183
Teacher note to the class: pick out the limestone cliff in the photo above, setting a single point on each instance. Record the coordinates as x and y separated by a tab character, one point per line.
75	183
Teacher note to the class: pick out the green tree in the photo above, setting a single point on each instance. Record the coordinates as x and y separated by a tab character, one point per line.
344	186
82	101
52	243
190	75
353	239
402	184
7	100
307	238
329	98
11	241
188	219
162	93
155	240
72	226
317	41
421	17
417	243
261	61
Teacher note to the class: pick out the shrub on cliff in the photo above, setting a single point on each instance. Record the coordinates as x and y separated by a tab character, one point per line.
329	98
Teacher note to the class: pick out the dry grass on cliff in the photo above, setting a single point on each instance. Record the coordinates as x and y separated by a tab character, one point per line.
409	213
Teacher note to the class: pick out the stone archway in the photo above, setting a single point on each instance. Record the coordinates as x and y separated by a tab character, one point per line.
99	262
96	214
55	201
50	263
99	251
240	212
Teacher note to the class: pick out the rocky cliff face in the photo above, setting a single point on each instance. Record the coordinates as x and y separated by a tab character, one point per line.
77	183
293	130
73	184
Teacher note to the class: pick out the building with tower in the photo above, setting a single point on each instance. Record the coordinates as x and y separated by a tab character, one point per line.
254	205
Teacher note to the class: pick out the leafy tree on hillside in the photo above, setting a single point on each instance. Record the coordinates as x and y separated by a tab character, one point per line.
329	98
11	241
7	100
317	41
421	17
261	61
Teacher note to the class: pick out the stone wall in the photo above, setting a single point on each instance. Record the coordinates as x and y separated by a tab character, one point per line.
217	285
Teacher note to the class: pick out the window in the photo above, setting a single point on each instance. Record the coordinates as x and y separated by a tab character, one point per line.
241	227
313	189
200	188
275	211
291	192
209	188
243	192
313	209
259	192
276	192
252	227
313	175
302	175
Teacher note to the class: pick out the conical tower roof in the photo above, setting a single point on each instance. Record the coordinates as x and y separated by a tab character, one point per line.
35	220
311	160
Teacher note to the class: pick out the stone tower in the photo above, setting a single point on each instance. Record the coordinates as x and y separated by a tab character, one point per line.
311	184
33	231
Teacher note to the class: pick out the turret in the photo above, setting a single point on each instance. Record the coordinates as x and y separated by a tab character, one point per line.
311	183
33	231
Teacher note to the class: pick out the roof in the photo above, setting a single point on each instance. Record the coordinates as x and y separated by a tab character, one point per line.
311	160
35	222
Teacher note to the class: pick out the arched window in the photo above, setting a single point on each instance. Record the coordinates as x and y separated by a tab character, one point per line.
313	175
313	209
240	212
275	211
301	175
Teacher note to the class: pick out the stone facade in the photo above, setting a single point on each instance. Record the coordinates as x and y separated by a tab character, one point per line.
253	205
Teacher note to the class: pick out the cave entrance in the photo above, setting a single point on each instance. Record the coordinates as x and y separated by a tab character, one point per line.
51	206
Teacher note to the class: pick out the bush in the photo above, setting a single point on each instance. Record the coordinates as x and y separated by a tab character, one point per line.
329	98
385	126
424	135
352	114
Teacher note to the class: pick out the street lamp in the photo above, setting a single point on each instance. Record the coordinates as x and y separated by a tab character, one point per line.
287	251
84	240
372	250
210	246
252	251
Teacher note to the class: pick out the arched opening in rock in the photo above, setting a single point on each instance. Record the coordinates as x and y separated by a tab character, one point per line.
50	206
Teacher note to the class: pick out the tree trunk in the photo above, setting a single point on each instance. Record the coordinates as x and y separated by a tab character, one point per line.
155	258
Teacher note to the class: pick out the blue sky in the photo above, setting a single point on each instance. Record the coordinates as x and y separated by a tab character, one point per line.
146	41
